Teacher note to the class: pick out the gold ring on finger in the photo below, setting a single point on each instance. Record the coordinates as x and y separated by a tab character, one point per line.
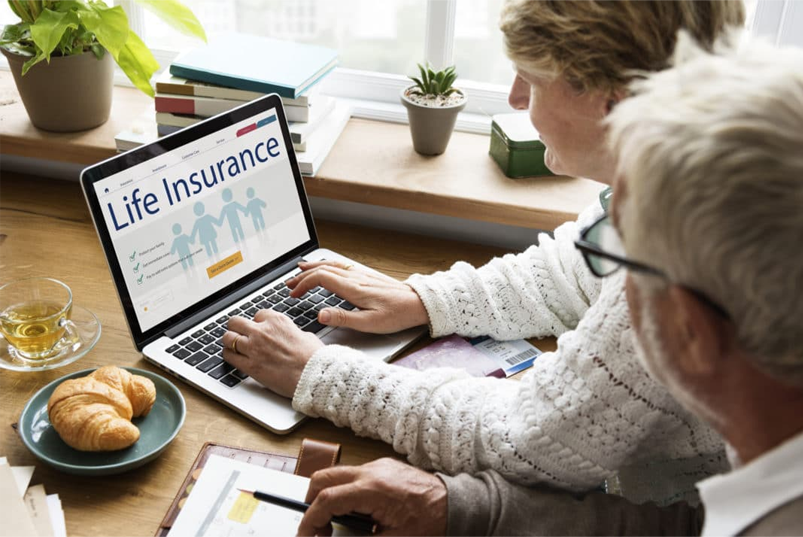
234	343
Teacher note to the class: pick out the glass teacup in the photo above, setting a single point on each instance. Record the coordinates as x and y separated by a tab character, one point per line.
35	318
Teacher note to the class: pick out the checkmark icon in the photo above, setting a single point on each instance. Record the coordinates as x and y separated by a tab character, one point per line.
139	280
136	267
132	256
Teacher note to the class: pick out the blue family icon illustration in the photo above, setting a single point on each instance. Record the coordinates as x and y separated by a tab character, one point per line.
205	229
181	246
229	213
254	208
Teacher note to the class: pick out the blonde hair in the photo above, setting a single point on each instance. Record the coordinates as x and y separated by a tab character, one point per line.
604	44
712	152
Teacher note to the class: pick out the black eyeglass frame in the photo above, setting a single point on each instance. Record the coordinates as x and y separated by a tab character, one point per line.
588	248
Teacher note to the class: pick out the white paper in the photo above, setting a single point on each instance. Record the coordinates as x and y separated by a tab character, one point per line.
209	506
39	510
57	521
13	513
22	475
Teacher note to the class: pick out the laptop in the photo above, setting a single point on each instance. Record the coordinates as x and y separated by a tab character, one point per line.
208	223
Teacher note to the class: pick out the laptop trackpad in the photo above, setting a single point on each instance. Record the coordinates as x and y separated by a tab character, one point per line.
377	346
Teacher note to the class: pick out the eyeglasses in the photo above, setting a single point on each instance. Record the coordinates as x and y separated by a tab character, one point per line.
604	253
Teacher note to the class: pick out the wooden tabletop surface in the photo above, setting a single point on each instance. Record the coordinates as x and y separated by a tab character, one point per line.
372	163
46	230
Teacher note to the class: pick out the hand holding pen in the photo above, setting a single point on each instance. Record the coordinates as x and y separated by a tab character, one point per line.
400	499
353	521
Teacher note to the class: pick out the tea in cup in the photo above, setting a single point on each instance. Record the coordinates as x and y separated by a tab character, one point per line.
35	318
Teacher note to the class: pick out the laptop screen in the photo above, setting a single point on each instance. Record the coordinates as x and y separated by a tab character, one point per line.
193	220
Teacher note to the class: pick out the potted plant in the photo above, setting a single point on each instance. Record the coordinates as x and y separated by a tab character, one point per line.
432	107
77	39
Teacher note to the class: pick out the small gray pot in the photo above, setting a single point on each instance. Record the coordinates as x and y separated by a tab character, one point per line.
71	93
431	128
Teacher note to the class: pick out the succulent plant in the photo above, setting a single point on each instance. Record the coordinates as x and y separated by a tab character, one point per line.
434	82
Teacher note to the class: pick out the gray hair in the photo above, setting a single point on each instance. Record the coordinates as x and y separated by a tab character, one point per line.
713	153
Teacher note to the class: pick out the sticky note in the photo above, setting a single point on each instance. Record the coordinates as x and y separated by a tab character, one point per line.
243	508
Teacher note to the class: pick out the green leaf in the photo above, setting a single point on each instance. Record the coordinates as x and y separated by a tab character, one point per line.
21	10
97	50
110	26
35	8
33	61
424	76
49	28
176	15
14	32
138	63
67	5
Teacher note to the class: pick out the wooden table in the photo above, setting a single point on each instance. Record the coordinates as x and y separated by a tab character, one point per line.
46	230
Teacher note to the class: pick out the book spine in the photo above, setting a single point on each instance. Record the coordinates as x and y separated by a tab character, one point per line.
198	107
230	81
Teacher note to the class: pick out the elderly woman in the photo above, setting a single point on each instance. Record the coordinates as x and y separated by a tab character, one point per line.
583	413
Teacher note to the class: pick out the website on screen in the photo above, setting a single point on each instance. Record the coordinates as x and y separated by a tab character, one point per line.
192	221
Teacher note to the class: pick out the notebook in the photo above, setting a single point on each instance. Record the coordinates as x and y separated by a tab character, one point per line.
208	223
314	455
258	64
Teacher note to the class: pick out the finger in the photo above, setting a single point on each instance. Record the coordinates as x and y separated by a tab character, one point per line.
329	477
266	315
241	325
317	532
358	320
307	266
332	279
235	341
241	362
337	500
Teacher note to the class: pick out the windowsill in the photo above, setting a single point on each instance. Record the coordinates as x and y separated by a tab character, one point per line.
372	163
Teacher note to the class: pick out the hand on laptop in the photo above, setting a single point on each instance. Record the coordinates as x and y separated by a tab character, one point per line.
403	500
270	349
385	305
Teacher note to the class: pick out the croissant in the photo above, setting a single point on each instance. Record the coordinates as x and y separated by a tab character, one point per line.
94	413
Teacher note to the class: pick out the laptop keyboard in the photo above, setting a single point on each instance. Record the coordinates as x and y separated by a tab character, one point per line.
202	349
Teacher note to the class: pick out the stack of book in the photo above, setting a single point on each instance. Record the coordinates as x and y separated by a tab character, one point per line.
235	69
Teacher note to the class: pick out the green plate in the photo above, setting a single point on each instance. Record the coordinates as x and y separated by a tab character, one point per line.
157	430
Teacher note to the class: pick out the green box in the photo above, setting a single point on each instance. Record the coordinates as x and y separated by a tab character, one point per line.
515	146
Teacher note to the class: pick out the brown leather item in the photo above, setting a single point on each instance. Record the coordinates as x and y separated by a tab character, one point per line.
316	455
313	455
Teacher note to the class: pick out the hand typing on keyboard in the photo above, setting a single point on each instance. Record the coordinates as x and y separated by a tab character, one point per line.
385	305
271	349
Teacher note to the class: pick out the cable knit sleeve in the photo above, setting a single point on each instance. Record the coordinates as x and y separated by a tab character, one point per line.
543	291
574	419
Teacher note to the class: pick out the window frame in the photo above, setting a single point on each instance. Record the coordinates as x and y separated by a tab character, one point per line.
375	95
777	21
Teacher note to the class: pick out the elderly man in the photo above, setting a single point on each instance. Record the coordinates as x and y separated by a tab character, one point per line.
709	208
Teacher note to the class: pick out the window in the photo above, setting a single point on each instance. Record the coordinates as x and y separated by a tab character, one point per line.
780	21
380	41
6	15
385	36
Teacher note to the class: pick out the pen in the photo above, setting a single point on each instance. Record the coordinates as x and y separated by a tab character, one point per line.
354	521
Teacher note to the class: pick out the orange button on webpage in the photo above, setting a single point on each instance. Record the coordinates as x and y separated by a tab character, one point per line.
222	266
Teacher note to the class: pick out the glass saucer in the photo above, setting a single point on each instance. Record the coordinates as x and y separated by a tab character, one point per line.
88	327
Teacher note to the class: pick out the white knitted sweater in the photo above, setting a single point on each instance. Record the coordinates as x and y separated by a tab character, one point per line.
582	414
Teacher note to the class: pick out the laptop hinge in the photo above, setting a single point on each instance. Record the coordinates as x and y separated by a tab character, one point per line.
230	299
